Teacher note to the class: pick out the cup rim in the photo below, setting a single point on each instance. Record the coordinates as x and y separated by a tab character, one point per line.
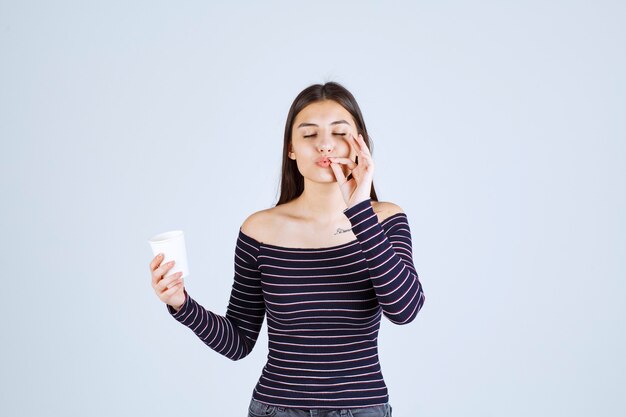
165	236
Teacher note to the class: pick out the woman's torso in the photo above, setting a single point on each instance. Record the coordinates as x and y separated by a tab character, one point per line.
322	312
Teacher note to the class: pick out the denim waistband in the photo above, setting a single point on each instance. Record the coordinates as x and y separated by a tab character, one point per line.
261	409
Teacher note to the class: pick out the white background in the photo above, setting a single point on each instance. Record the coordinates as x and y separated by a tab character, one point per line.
498	127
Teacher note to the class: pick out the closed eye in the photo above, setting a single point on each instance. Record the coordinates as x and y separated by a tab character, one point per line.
315	134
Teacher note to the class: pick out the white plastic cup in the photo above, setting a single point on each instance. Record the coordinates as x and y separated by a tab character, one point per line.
172	245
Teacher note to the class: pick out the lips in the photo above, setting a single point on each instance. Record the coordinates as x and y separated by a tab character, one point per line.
323	162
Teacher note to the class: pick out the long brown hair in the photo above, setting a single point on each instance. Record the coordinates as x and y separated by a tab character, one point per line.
292	182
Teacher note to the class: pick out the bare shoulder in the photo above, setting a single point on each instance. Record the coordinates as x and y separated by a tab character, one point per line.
385	209
256	224
261	225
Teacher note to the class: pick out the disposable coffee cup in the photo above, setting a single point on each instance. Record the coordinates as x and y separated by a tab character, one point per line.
172	245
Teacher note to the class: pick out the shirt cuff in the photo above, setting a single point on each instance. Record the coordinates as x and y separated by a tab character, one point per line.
361	216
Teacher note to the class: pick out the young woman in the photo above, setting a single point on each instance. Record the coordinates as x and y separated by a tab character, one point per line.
323	265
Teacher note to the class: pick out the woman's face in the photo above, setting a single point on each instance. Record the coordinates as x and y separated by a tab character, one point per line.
320	130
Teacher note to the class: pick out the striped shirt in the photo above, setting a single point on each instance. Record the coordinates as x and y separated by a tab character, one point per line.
323	309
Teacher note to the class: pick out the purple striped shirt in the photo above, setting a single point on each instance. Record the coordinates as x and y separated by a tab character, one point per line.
323	308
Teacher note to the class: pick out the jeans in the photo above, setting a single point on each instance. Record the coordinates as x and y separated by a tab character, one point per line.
259	409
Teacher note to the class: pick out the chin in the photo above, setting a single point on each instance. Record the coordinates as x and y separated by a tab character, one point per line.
322	177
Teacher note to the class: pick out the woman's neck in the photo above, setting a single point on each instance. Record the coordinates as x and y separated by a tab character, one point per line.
320	201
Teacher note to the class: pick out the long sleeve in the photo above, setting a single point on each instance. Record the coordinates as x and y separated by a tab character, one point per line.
389	257
235	334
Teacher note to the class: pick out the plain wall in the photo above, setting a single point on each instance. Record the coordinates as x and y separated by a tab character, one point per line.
498	127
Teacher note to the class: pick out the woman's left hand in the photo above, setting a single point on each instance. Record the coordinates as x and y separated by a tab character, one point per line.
357	188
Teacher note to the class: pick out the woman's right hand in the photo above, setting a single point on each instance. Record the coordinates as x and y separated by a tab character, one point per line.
170	290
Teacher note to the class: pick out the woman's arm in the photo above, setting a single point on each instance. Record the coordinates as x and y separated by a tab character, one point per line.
235	334
390	261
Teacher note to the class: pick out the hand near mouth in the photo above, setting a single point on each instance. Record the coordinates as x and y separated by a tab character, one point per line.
357	188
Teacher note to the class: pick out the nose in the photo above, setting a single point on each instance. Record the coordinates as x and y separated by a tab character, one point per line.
326	143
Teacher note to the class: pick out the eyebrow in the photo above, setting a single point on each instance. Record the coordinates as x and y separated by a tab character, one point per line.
337	122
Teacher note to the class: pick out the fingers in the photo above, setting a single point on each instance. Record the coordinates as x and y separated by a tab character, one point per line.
353	143
156	261
168	283
364	155
359	145
346	164
341	178
363	145
346	161
159	272
172	290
